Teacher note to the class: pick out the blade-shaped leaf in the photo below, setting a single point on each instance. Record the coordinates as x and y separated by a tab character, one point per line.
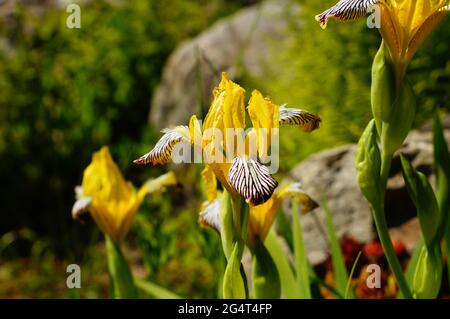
442	171
301	260
121	279
339	269
154	290
422	194
287	277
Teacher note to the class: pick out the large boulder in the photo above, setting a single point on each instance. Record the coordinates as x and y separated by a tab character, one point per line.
331	176
241	42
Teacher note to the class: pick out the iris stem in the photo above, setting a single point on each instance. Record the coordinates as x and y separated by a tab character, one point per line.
383	231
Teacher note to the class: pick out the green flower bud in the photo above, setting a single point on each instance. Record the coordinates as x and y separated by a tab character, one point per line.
368	165
383	88
266	281
422	194
428	275
397	125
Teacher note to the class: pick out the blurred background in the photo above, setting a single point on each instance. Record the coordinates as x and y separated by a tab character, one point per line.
135	67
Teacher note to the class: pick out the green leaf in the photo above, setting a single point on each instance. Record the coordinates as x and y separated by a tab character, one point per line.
337	258
442	171
301	260
422	194
348	292
287	277
154	290
121	279
266	281
226	223
233	282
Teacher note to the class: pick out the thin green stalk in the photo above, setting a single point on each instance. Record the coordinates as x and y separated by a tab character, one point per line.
385	239
383	231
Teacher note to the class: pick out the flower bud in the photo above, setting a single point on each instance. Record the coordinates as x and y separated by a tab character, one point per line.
422	194
428	274
399	122
383	87
368	165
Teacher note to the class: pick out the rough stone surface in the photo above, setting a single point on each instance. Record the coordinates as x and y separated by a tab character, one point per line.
242	41
331	175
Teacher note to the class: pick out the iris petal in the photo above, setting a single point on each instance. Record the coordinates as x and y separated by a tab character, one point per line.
210	215
346	10
162	152
306	120
252	180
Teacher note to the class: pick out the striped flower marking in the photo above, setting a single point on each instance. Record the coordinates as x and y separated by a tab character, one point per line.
162	152
346	10
306	120
252	180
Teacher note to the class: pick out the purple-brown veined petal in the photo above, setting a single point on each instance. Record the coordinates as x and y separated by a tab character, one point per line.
162	152
345	10
252	180
306	120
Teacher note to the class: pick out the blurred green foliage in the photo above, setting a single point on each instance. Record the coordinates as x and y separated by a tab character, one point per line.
66	92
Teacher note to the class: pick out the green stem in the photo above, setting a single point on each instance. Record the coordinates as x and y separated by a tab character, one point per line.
383	231
235	281
121	279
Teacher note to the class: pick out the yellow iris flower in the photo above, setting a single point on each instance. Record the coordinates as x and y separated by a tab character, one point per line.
238	169
404	24
111	200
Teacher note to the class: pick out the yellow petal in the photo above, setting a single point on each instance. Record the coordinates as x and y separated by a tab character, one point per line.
423	31
210	183
265	118
262	216
114	201
157	184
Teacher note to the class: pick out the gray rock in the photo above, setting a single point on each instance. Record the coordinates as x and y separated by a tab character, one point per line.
331	175
241	42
